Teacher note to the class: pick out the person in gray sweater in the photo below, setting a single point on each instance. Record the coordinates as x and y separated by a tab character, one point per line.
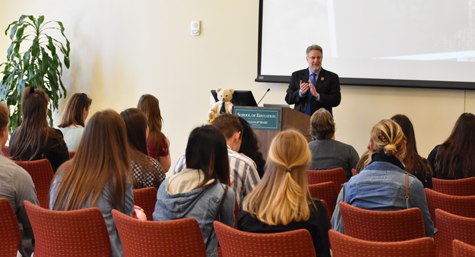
16	186
328	153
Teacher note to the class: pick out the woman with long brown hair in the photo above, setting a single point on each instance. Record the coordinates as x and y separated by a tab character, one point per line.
97	176
280	201
146	171
413	162
199	190
73	119
454	159
157	142
34	139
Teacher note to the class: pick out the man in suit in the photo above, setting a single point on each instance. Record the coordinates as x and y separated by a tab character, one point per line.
313	88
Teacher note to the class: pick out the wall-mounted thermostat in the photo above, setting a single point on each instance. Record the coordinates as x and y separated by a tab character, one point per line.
195	28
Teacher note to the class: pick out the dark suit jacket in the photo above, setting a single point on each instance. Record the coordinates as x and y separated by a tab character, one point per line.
328	86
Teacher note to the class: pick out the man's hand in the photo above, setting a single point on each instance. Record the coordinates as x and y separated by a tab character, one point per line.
312	88
303	88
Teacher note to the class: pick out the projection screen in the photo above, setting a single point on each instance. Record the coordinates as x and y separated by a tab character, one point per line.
403	43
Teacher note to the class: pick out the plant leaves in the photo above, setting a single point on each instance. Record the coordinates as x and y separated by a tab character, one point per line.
40	20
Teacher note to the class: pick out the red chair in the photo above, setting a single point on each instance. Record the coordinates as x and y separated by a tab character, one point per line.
328	214
235	243
6	151
10	235
42	175
71	154
450	227
325	191
336	175
382	226
159	238
461	249
146	198
458	205
236	213
69	233
460	187
346	246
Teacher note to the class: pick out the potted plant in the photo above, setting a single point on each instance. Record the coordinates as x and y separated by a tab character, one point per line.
40	66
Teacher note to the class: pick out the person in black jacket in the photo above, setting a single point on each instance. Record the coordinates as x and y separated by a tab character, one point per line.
314	87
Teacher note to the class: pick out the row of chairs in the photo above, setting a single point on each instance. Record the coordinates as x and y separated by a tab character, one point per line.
83	232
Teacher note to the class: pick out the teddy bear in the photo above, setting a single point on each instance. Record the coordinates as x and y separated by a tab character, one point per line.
224	104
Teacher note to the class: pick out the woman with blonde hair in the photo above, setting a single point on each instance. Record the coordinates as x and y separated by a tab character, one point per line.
73	119
97	176
145	171
34	139
157	142
382	185
280	202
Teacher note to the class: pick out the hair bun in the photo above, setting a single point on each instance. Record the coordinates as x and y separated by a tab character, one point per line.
390	149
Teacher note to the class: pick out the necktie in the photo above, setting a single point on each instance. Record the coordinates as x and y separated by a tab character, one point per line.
310	96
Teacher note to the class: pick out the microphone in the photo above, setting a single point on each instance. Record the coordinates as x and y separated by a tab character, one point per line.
263	96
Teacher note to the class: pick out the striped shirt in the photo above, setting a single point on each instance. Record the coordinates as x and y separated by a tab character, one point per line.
242	168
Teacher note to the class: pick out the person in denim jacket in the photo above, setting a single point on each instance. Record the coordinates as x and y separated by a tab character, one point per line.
197	191
381	185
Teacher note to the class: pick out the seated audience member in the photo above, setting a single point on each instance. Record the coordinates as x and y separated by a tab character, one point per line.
250	146
73	119
197	191
381	186
413	162
146	171
454	159
16	185
328	153
280	202
97	176
34	139
157	142
242	168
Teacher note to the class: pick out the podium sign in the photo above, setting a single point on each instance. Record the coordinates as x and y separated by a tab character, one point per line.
259	118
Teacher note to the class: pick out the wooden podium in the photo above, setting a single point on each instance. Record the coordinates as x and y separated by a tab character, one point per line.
267	122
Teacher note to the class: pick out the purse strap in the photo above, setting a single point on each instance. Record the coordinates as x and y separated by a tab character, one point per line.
217	213
407	191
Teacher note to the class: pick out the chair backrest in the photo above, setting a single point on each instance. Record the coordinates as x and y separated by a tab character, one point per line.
344	246
159	238
354	172
69	233
450	227
42	175
146	198
329	215
6	151
71	154
461	249
234	243
458	205
325	191
336	175
382	226
10	235
461	187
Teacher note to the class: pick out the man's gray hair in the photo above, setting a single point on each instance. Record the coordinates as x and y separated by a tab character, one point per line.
314	47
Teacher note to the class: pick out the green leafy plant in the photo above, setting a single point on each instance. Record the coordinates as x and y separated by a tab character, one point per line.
39	66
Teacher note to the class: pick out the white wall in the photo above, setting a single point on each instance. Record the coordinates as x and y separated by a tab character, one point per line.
123	49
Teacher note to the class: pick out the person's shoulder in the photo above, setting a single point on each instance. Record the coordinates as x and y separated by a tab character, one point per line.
235	155
16	172
299	72
328	73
